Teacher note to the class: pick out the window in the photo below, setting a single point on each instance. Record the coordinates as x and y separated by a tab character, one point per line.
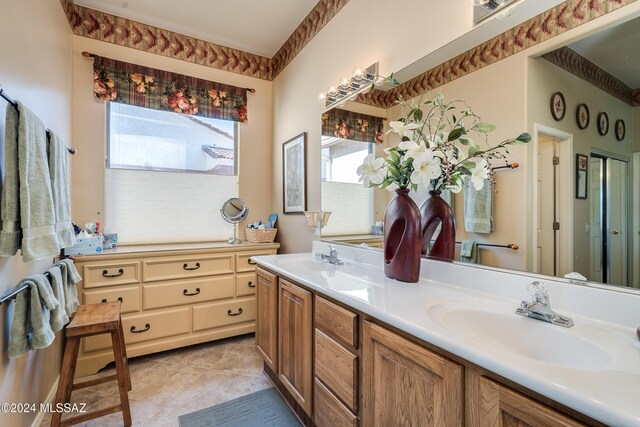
167	175
350	203
146	139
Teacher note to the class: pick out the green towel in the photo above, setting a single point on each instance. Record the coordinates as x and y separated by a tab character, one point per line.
469	252
59	316
70	279
59	174
20	325
478	208
11	233
37	215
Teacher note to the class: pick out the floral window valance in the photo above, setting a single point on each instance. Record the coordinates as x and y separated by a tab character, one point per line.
349	125
132	84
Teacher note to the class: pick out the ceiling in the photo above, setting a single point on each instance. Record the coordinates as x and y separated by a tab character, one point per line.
255	26
616	51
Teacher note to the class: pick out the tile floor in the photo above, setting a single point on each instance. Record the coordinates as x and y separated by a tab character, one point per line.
172	383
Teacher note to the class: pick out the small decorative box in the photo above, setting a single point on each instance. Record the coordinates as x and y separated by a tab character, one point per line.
110	240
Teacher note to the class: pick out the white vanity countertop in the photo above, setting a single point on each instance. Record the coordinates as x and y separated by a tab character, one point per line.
593	367
168	247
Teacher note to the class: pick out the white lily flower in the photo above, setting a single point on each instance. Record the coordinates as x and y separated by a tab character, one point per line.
479	174
401	128
426	167
372	171
413	149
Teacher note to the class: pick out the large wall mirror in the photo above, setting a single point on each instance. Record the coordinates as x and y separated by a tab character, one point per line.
572	206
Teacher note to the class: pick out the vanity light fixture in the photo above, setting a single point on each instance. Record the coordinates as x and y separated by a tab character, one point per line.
501	9
349	87
317	220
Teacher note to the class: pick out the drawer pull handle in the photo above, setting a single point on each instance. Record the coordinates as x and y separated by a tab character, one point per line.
190	294
119	299
105	273
230	313
251	285
186	266
251	262
146	328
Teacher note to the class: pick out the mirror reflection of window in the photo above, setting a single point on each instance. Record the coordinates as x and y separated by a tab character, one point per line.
350	203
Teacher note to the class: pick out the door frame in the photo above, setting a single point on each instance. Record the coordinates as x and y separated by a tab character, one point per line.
635	233
564	196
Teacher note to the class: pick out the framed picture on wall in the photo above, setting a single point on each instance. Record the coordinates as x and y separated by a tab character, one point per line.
582	165
294	175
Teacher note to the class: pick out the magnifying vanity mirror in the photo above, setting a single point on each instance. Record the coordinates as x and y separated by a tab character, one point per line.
568	203
234	211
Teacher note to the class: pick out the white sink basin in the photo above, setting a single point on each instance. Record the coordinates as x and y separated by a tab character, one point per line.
524	337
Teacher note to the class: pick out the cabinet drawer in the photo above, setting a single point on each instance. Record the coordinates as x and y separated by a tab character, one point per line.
246	284
337	368
329	411
147	327
242	261
157	295
155	269
223	313
336	321
110	274
129	296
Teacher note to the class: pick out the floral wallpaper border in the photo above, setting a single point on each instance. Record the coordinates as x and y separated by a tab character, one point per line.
109	28
576	64
555	21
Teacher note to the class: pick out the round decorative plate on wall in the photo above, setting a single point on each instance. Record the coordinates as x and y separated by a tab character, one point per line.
582	116
558	106
621	129
603	124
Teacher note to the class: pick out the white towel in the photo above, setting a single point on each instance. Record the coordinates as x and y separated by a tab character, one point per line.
478	208
11	233
37	215
59	174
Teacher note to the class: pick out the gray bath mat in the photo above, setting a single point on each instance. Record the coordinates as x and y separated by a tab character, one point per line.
262	408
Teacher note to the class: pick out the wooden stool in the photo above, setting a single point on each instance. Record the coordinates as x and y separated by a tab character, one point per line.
94	319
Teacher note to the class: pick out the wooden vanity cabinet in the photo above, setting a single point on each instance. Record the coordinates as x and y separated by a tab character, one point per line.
294	342
406	384
267	317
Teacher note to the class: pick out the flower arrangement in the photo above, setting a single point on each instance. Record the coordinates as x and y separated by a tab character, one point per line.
432	149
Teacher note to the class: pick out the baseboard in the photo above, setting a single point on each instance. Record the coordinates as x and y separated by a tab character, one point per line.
52	394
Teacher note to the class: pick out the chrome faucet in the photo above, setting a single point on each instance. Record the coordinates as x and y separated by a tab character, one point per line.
540	307
332	257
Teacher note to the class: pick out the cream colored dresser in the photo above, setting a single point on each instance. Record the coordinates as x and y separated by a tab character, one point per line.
172	295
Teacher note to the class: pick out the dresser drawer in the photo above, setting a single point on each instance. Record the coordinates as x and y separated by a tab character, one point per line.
129	296
110	274
244	263
246	284
329	411
336	321
146	327
155	269
337	368
223	313
192	291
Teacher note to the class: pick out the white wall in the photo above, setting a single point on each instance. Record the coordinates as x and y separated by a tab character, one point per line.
35	68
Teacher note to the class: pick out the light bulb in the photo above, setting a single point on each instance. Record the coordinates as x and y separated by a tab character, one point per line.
332	90
358	73
322	97
480	2
344	82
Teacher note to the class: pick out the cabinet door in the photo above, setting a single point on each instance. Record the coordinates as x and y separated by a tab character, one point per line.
295	342
501	406
267	318
405	384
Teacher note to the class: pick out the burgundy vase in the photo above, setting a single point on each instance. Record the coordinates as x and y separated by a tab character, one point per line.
402	238
436	212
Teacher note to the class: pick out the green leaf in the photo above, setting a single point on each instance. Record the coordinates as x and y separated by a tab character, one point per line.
417	114
455	134
406	138
524	138
484	127
464	141
469	164
476	149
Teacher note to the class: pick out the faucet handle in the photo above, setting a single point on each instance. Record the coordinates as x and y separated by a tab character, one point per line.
333	251
538	293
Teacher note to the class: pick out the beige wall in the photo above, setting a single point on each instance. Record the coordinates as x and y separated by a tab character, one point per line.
545	79
89	130
35	68
364	32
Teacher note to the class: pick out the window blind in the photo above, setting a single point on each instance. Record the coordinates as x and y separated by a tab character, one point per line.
165	207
